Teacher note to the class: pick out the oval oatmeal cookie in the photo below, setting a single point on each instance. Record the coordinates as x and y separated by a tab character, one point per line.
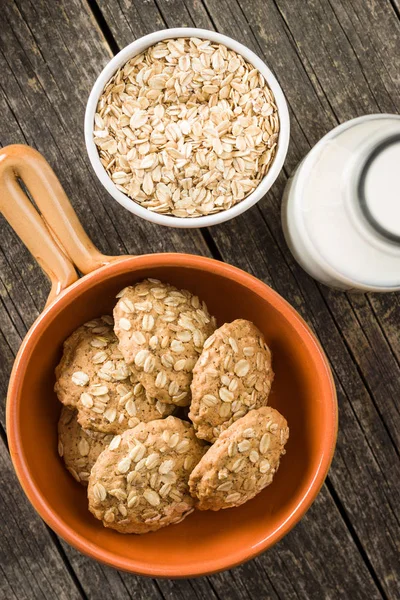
162	331
242	462
79	349
232	376
78	447
141	482
94	378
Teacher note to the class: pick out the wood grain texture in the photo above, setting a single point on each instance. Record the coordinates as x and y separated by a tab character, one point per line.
47	90
29	560
42	99
294	569
372	416
356	380
50	53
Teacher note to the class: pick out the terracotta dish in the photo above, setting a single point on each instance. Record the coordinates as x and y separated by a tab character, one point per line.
303	389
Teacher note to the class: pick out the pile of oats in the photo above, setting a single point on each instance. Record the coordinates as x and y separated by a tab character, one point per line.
188	128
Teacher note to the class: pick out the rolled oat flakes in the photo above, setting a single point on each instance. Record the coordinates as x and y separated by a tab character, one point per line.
187	128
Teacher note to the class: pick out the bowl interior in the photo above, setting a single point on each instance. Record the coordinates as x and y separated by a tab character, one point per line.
205	541
139	46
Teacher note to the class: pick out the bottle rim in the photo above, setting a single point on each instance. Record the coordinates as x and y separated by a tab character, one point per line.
361	188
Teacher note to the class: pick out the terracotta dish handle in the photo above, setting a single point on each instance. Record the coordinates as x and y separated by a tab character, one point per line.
54	236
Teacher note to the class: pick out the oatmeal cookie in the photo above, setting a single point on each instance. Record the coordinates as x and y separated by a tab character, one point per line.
78	447
141	482
80	348
162	331
232	376
242	462
94	378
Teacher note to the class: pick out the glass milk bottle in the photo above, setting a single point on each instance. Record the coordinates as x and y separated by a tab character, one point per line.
341	207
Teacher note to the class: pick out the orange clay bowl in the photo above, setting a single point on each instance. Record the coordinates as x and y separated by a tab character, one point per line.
303	389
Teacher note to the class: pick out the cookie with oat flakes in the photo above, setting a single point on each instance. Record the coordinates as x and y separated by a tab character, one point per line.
162	330
242	462
140	483
84	344
78	447
94	378
232	376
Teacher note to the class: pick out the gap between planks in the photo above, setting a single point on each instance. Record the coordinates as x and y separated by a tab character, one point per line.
355	537
207	233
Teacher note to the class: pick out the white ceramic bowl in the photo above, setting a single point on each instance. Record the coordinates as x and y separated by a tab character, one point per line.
136	48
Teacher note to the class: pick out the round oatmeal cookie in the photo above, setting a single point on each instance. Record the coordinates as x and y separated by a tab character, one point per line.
162	331
141	482
232	376
242	462
78	447
94	378
79	350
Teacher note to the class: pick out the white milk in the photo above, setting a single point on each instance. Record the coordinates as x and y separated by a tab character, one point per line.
341	207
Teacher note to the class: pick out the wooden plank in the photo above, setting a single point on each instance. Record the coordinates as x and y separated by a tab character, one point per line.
296	570
292	570
367	421
31	564
102	583
170	12
266	32
367	483
52	83
387	311
373	84
42	101
322	573
182	589
8	338
342	546
358	63
373	355
41	83
184	14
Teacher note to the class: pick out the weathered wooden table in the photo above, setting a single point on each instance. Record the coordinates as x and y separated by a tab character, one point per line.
335	59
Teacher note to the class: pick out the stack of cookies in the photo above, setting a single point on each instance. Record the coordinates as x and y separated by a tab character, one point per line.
124	431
